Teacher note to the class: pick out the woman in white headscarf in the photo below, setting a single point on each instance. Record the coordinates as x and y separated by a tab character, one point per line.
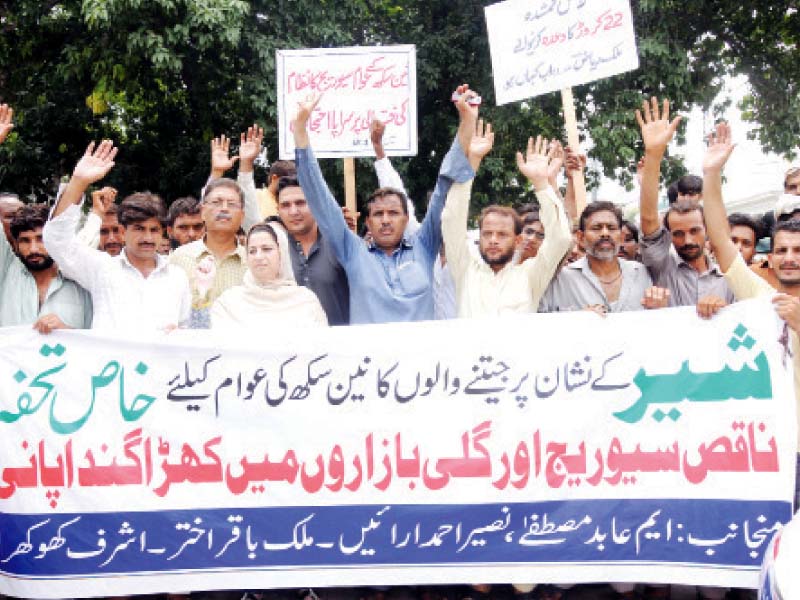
269	296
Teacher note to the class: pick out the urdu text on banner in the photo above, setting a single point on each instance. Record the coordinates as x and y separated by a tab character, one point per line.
357	84
646	446
547	45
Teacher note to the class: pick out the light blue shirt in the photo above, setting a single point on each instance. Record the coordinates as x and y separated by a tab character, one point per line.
384	288
19	296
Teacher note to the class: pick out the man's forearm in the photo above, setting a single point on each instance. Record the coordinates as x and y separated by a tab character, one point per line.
716	219
72	195
301	136
648	199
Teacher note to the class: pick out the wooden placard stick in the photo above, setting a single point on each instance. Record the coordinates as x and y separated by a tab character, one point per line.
578	184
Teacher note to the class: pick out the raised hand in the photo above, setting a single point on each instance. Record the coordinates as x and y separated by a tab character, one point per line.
536	161
720	146
102	200
6	114
657	130
95	163
250	147
305	108
467	115
556	162
575	162
481	143
300	121
376	130
220	161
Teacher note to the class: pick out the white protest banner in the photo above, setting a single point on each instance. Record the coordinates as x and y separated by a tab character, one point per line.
357	84
548	45
539	448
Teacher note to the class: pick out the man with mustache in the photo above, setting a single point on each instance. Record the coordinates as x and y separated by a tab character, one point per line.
102	229
492	284
216	261
784	258
602	281
32	290
690	276
137	290
391	278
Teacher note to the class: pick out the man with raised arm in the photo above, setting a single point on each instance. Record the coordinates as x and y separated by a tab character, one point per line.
32	289
387	175
391	278
217	262
691	277
102	229
784	257
492	284
9	202
138	289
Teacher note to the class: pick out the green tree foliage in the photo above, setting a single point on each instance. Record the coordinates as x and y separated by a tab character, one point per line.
162	77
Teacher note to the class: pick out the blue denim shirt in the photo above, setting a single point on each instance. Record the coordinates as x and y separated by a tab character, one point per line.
384	288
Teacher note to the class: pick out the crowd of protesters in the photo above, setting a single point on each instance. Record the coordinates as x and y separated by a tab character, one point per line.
290	255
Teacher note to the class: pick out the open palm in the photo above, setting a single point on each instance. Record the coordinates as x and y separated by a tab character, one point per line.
6	114
96	162
657	129
719	148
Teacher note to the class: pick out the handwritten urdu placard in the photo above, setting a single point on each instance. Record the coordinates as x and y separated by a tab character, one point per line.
357	84
547	45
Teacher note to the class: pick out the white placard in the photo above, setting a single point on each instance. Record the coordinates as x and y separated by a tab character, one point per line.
357	84
547	45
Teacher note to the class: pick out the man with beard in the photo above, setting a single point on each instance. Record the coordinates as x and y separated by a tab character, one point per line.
32	290
691	277
494	285
137	290
602	281
784	257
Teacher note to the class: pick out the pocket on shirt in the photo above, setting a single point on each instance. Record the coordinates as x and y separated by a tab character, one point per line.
412	279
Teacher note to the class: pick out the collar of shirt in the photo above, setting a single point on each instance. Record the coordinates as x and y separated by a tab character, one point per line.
404	243
713	268
625	266
55	284
161	262
198	249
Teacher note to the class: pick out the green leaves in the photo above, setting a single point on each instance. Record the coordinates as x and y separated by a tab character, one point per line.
162	77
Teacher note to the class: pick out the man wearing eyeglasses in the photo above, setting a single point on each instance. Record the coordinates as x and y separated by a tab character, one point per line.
217	261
